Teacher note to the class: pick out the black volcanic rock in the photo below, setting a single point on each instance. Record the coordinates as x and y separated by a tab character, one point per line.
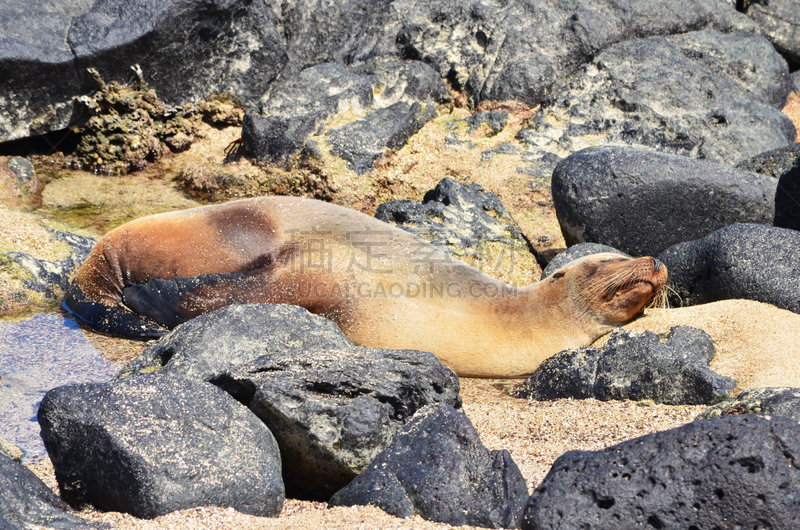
731	472
642	202
27	502
702	94
779	20
333	411
671	368
773	163
772	401
156	444
754	262
186	49
438	467
205	347
459	218
787	199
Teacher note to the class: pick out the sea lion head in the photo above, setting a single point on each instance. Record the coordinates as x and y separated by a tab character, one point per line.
611	288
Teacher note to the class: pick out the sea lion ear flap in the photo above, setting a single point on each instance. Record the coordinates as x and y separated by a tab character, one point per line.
558	274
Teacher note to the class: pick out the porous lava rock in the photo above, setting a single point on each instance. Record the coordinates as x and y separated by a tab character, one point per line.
205	347
772	401
753	262
438	467
643	202
382	106
702	94
187	50
773	163
730	472
671	368
51	278
333	411
27	502
779	20
364	141
460	218
157	444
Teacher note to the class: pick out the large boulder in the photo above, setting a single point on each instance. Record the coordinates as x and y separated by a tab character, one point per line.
333	411
523	50
731	472
779	20
643	202
189	49
186	49
701	94
205	347
754	262
27	502
438	468
382	106
772	401
156	444
671	368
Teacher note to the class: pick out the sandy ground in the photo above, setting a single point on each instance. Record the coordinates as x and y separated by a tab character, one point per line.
757	344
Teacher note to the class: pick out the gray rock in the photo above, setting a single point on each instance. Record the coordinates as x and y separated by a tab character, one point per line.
522	51
364	141
52	277
732	472
512	51
438	468
186	49
752	262
24	170
458	218
796	79
773	163
333	411
27	502
787	199
671	368
701	94
301	106
576	252
156	444
779	20
643	202
496	120
504	148
772	401
205	347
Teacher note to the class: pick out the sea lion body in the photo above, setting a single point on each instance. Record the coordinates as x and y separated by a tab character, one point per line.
383	286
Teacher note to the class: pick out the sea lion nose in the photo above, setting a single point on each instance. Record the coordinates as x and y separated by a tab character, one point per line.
656	265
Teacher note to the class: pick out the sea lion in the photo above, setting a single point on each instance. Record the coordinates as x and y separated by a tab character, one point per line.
383	286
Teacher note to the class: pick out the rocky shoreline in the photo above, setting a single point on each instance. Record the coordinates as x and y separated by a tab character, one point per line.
500	133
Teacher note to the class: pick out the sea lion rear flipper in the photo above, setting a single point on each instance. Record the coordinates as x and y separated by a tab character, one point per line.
110	319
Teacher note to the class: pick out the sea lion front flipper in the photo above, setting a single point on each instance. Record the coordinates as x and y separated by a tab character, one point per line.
174	301
115	320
